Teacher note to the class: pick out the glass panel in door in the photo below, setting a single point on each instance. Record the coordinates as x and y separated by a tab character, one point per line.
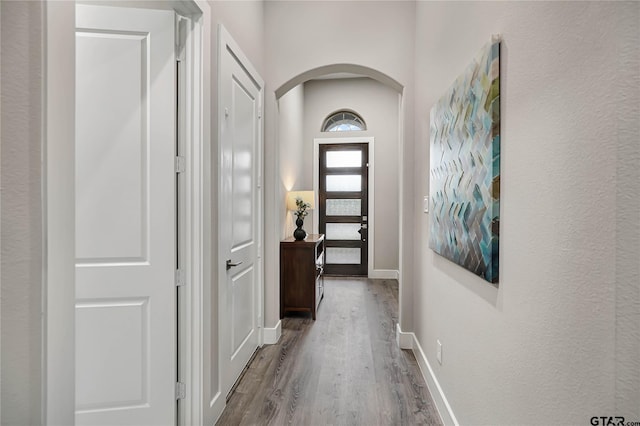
344	207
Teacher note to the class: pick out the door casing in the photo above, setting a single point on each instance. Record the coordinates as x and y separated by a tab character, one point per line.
370	141
194	105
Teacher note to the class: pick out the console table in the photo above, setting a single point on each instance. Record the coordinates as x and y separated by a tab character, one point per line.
301	279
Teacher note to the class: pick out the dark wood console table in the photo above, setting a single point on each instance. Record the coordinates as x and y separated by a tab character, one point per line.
301	274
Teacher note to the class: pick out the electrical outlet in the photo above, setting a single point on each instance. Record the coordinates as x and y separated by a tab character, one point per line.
425	204
439	354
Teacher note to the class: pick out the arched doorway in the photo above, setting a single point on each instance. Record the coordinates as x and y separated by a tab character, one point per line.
291	90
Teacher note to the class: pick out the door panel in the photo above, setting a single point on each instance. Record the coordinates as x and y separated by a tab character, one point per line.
122	324
125	217
240	142
343	199
112	225
243	120
243	327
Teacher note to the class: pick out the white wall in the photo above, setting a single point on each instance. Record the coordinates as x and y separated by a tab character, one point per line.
378	105
304	35
544	347
21	227
294	176
0	222
283	167
245	22
627	248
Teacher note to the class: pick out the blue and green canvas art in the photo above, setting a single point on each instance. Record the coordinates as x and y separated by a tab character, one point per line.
465	168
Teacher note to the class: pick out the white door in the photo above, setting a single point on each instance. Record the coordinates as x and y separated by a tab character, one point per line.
125	217
240	211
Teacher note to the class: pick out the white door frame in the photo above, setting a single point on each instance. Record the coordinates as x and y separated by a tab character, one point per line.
195	104
58	390
369	140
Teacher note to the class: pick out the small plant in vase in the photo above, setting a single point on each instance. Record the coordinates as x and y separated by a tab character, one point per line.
301	213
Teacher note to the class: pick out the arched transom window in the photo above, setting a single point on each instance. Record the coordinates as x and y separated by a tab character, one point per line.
343	121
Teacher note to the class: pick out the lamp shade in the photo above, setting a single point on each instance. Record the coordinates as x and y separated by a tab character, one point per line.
306	196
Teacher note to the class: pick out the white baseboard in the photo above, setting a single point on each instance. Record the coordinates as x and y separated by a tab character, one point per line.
404	340
271	336
384	274
409	341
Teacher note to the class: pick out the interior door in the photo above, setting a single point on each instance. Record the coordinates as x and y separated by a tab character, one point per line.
343	199
125	217
240	212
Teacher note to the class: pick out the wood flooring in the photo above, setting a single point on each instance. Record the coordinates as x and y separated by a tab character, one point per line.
345	368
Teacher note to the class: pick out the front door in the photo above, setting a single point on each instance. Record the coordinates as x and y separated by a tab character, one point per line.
343	199
125	217
240	211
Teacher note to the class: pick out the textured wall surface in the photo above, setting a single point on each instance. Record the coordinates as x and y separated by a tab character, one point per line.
627	248
21	214
546	347
302	35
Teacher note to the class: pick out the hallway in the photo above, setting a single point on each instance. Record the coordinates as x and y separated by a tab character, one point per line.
344	368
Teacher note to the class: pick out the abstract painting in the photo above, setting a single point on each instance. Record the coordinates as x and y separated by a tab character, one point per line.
465	168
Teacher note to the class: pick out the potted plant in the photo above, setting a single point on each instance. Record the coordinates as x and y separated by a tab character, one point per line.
301	212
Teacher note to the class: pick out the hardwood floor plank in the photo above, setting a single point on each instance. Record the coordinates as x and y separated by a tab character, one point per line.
345	368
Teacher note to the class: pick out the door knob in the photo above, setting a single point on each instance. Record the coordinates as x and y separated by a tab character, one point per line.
231	265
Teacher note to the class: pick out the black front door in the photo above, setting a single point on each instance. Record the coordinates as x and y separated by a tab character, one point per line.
343	198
